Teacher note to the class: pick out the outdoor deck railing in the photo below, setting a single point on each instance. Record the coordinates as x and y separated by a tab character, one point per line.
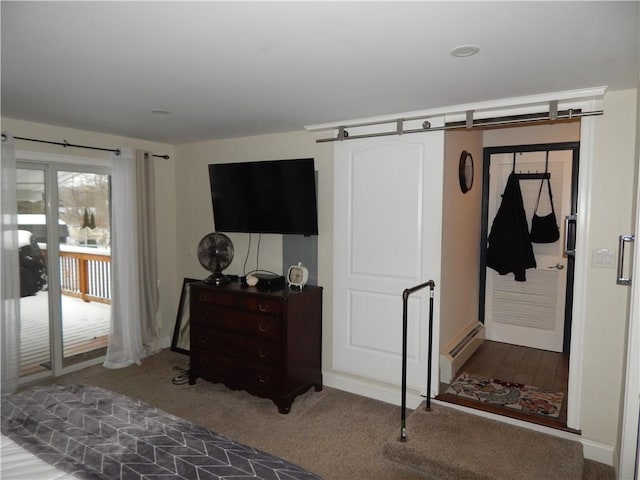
86	275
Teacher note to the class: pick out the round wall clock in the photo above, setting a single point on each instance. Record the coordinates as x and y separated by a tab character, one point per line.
297	275
465	171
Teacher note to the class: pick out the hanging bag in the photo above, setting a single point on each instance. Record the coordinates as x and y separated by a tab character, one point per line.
544	229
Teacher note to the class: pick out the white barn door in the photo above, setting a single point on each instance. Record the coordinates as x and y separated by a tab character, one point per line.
387	237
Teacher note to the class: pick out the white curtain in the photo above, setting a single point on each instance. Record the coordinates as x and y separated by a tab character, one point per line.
10	270
134	309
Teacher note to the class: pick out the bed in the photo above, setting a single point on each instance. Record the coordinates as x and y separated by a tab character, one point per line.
87	432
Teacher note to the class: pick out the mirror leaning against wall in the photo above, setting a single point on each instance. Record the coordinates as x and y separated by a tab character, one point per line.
180	341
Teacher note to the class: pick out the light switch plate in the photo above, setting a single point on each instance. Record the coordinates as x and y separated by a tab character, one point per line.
603	258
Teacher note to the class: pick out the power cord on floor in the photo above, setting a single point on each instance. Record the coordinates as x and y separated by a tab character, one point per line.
182	377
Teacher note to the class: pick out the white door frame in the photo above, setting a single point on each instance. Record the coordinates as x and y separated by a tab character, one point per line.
581	267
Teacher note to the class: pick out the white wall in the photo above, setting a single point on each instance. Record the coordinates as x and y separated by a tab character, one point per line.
611	199
461	222
530	135
165	193
195	214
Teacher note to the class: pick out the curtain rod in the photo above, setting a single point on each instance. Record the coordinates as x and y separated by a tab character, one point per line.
65	144
468	124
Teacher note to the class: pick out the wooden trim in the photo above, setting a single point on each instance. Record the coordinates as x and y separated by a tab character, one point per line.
508	412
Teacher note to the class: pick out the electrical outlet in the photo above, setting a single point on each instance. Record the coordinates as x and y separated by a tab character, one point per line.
603	258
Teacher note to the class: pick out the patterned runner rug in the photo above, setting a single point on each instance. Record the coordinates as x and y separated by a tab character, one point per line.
507	394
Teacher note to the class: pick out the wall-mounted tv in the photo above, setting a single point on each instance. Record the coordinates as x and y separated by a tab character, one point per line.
271	196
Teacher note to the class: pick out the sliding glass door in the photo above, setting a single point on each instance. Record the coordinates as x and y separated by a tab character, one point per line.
35	321
65	265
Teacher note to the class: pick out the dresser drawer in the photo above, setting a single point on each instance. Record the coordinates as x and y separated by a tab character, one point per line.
236	369
255	350
236	321
247	303
267	342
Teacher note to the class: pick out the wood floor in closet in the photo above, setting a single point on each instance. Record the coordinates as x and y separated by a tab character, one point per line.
513	363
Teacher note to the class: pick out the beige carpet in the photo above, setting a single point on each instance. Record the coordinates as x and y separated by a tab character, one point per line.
337	435
484	449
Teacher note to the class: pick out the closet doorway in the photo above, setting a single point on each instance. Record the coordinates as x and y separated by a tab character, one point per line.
535	313
528	323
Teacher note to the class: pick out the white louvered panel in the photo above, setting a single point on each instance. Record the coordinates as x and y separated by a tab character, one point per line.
528	304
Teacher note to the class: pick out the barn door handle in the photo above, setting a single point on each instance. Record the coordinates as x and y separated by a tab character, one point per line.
568	221
622	240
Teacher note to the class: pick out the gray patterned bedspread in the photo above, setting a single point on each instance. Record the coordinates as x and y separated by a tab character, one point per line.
97	434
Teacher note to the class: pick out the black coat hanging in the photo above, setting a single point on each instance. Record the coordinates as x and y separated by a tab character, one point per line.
509	246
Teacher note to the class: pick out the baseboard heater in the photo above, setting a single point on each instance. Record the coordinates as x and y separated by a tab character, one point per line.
459	351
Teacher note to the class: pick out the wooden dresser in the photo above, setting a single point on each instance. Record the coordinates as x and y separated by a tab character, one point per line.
268	343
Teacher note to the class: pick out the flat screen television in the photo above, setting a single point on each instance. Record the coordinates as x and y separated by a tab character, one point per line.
272	196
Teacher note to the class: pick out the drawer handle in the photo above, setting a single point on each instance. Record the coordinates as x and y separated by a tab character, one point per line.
262	329
203	339
263	308
263	378
263	353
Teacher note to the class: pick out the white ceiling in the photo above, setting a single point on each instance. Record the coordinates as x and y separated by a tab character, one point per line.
228	69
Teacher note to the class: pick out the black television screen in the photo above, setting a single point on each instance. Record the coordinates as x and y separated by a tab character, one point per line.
273	196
